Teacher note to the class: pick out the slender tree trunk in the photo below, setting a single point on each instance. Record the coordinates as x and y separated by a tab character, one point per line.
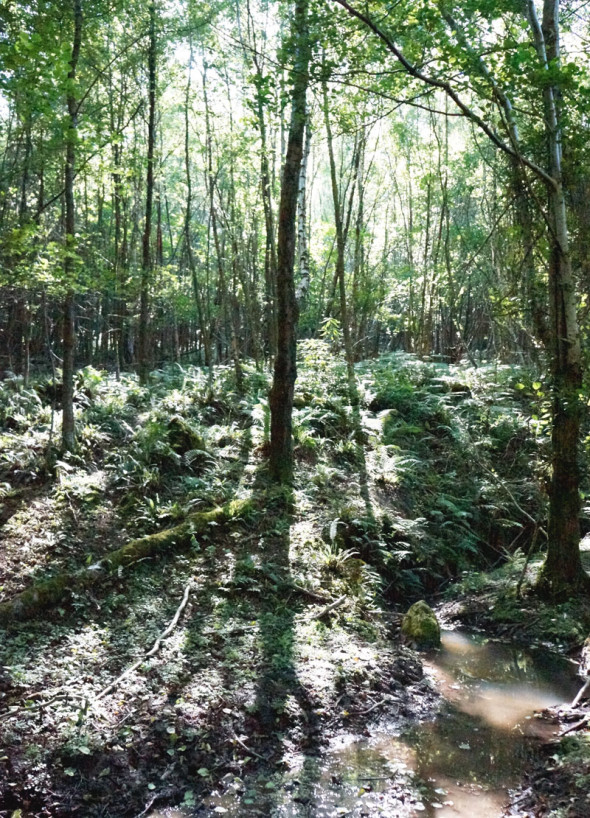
302	246
69	333
205	335
562	572
285	370
224	294
146	263
341	237
270	260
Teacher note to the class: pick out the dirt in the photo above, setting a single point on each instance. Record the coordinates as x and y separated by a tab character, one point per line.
248	678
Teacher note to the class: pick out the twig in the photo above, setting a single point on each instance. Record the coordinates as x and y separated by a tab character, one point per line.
247	749
575	726
329	608
371	708
308	593
148	806
156	647
66	694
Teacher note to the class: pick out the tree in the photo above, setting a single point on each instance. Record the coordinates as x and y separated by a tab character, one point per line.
146	258
69	333
563	570
285	369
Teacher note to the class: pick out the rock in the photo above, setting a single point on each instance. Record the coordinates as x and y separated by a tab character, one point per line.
406	668
420	626
182	437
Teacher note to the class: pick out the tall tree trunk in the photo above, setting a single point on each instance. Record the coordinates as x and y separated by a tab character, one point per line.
205	335
146	263
69	333
270	256
224	294
563	571
302	244
285	370
342	227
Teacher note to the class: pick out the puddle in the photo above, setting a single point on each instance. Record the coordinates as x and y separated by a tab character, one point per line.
458	766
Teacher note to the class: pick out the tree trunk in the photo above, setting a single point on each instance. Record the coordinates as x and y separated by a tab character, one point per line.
563	571
146	263
285	370
205	336
302	244
341	238
69	333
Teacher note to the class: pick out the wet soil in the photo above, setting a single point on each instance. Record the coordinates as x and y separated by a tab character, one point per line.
457	763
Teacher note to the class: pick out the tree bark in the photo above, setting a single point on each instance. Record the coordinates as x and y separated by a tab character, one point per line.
563	571
205	336
342	227
69	332
285	370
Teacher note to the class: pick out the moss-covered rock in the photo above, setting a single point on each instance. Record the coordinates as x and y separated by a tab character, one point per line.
420	626
183	437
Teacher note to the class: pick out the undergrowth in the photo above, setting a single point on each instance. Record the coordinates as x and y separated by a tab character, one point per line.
433	475
438	471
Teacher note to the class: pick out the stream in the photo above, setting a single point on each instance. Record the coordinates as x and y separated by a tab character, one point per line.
459	765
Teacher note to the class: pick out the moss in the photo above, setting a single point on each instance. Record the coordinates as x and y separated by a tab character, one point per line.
43	595
420	626
182	437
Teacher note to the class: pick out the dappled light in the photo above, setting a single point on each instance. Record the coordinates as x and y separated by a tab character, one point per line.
294	392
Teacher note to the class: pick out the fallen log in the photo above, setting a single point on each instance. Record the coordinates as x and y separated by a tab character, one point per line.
42	595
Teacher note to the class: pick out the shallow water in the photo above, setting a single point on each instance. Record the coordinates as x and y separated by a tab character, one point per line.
460	765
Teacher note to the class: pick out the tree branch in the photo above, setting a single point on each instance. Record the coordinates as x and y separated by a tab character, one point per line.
445	86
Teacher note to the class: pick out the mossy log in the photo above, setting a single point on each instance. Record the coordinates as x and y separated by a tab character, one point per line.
42	595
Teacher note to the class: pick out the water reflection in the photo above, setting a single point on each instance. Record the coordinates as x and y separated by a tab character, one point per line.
458	766
500	683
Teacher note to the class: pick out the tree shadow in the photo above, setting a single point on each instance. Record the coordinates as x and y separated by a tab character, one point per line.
279	711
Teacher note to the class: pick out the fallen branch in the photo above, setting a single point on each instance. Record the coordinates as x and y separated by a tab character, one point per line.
47	593
307	592
581	693
14	710
156	647
329	608
248	749
370	709
577	726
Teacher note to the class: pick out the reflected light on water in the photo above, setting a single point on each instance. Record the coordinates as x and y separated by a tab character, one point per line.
459	765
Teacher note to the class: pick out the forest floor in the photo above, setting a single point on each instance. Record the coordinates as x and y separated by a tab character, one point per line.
287	628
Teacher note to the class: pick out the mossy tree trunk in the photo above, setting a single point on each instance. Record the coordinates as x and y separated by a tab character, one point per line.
46	594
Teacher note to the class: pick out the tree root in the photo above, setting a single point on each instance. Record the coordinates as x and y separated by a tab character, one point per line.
42	595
